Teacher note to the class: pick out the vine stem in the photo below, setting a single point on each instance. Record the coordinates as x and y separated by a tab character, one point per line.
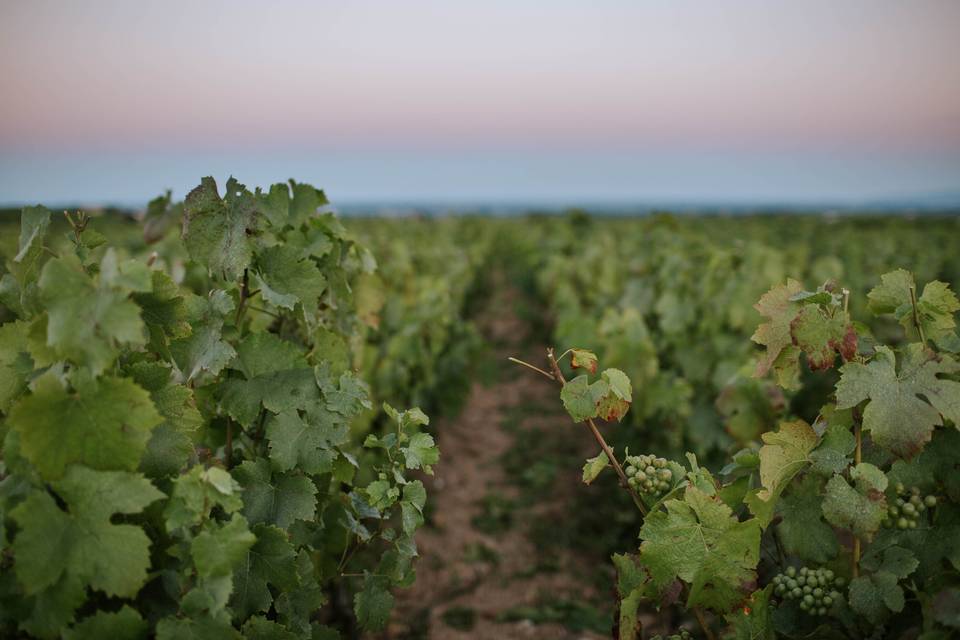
530	366
611	456
702	621
916	315
558	376
244	294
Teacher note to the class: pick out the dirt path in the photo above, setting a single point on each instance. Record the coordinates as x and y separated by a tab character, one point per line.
481	575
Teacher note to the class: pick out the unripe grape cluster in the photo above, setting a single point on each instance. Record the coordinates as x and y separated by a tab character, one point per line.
649	474
814	589
909	506
683	634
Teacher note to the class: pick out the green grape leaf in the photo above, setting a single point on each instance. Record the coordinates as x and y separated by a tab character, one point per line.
11	295
196	492
86	320
934	467
818	297
259	628
286	277
202	629
131	275
164	310
421	453
415	493
633	586
753	620
125	624
409	419
275	204
892	293
83	544
351	396
108	425
904	406
876	596
204	350
397	563
893	559
270	561
171	443
16	365
802	530
209	596
583	400
306	444
783	455
215	229
411	519
277	376
218	550
34	222
836	444
581	358
594	466
278	498
373	603
381	495
295	607
331	347
305	202
781	354
701	542
53	608
578	399
822	334
859	509
935	307
262	353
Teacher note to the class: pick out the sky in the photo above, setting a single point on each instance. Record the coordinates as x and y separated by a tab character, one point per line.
560	101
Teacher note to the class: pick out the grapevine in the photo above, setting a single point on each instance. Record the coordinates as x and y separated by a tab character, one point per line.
177	414
840	496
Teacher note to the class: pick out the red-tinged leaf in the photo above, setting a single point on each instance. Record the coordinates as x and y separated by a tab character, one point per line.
581	358
614	403
612	408
821	335
848	347
778	306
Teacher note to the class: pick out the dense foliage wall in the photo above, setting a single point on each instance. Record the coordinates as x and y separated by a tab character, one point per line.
190	445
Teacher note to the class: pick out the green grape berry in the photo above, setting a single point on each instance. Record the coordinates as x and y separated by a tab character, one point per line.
908	508
814	589
649	475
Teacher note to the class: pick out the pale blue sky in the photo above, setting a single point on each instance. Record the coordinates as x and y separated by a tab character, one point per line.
555	101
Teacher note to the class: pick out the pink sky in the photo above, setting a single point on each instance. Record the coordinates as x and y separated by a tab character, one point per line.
852	76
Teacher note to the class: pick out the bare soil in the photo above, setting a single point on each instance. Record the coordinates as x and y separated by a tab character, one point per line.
472	579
